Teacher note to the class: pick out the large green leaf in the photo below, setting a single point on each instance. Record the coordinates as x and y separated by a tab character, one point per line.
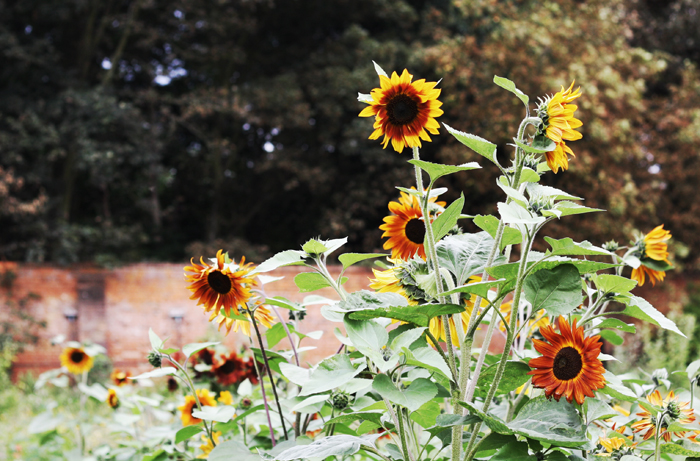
284	258
428	358
337	445
187	432
417	315
522	219
419	392
478	288
514	376
477	144
540	190
490	223
347	418
567	247
444	223
365	299
550	421
597	409
609	283
616	389
514	451
558	291
494	441
369	338
438	170
348	259
426	415
617	325
494	423
312	281
640	308
190	349
566	208
465	255
685	448
330	373
510	86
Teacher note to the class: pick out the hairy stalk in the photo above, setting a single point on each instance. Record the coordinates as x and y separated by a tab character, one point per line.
402	433
264	396
269	373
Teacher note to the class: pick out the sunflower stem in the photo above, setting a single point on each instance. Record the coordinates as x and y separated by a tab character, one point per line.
269	374
264	396
402	433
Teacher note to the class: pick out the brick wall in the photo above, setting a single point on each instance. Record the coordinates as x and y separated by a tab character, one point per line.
115	308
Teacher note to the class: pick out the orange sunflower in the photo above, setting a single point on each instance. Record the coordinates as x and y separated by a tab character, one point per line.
403	110
112	399
224	284
569	363
405	227
675	412
558	123
76	360
119	377
205	398
653	254
262	316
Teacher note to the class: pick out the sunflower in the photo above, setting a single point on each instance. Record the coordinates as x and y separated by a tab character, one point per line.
652	251
403	110
262	316
112	398
207	446
388	282
405	227
558	123
569	363
76	360
225	398
674	411
610	444
220	285
205	398
436	326
119	377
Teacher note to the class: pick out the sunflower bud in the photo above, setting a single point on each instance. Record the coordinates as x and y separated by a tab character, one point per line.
612	245
154	359
674	410
340	400
245	403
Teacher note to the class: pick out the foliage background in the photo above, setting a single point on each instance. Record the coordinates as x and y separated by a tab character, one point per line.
155	130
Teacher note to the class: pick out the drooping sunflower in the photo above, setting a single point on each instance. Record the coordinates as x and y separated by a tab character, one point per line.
558	124
205	398
569	363
675	412
405	227
119	377
76	360
207	446
652	251
221	285
403	110
262	315
112	398
388	282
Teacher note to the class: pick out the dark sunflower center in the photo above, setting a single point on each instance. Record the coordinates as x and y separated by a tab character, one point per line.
219	282
402	109
415	231
567	364
77	356
227	367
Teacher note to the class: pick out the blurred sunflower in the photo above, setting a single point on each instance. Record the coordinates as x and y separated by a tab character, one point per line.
405	227
674	410
403	110
652	251
569	363
262	316
226	398
610	444
221	285
205	398
76	360
207	446
558	123
112	398
119	377
229	369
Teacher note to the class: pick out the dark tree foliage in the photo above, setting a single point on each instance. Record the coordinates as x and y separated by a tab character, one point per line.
151	129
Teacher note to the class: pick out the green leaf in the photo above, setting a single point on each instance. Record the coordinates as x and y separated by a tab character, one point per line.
337	445
514	451
550	421
494	440
187	432
534	150
159	455
428	358
284	258
514	376
616	389
477	144
448	218
692	368
512	213
275	334
567	247
478	288
273	358
446	421
617	325
417	315
543	142
510	86
330	373
566	208
426	415
280	301
465	255
438	170
489	223
369	338
365	299
558	291
608	283
656	265
348	259
419	392
156	342
612	337
640	308
685	448
597	409
540	190
347	418
157	373
529	175
226	451
494	423
190	349
314	247
310	281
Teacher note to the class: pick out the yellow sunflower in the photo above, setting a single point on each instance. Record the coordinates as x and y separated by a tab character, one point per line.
653	254
205	398
436	326
405	227
262	316
220	285
610	444
207	446
119	377
569	363
387	282
226	398
675	412
558	124
112	398
403	110
76	360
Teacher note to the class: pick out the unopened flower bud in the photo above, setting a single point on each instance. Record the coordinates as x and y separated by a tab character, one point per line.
154	359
